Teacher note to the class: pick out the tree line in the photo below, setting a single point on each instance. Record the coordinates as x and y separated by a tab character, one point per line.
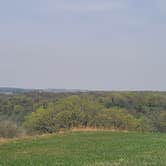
50	112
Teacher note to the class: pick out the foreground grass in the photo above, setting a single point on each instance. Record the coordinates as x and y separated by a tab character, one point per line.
86	149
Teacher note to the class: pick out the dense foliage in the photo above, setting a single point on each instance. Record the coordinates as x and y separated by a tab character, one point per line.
75	111
50	112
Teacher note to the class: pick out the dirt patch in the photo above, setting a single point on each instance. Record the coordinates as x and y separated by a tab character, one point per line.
87	129
96	129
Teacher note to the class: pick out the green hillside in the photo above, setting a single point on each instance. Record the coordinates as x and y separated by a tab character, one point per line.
87	149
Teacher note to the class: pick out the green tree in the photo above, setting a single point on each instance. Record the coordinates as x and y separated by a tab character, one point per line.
162	121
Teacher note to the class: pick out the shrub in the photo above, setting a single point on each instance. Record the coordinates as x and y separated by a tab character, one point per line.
8	129
41	121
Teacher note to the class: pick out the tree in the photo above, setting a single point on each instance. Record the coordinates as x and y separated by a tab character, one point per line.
18	109
117	118
41	121
162	121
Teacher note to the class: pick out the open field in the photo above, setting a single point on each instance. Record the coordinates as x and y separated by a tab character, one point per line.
86	148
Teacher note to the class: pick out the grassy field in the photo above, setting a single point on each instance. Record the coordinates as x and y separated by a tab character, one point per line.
86	149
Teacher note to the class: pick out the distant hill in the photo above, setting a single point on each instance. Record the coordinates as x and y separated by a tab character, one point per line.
63	90
9	90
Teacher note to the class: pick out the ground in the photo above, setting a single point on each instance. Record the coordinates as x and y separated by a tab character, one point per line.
99	148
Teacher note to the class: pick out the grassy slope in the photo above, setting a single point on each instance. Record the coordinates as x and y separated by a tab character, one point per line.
87	149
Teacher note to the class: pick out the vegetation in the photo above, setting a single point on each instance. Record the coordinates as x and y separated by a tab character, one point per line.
87	149
75	112
43	112
8	129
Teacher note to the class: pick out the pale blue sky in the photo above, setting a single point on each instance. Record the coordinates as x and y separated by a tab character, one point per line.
84	44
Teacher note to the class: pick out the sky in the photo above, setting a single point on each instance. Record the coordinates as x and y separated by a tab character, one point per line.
83	44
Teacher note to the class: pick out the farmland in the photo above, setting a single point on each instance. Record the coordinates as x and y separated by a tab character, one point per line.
101	148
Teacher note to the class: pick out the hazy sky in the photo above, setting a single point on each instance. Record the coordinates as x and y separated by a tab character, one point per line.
84	44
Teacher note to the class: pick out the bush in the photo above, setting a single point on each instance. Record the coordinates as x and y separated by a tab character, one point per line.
41	121
8	129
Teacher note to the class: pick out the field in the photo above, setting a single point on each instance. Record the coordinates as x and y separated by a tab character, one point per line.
86	149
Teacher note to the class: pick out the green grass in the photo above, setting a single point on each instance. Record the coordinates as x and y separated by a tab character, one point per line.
87	149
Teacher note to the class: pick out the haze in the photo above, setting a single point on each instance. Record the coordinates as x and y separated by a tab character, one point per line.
90	44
